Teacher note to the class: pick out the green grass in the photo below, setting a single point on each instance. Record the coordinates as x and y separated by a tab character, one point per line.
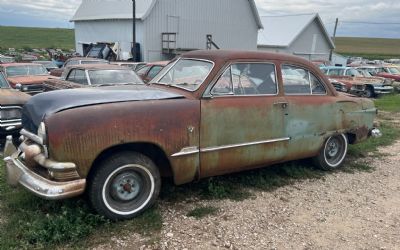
31	222
371	48
29	38
201	212
389	103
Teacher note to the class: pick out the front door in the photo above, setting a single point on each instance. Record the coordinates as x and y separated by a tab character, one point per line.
242	120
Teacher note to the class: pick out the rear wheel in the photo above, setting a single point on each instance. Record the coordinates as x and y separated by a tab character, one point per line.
124	186
333	153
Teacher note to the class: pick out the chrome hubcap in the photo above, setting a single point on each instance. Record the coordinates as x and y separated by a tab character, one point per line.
126	186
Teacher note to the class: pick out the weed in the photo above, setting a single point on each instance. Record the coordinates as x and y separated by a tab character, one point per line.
201	212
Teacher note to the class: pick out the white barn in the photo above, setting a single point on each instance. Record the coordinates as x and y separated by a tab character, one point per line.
302	35
165	28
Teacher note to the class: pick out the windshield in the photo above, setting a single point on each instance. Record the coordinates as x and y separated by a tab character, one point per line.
394	71
188	74
110	77
3	82
336	72
7	59
47	64
364	72
352	72
26	70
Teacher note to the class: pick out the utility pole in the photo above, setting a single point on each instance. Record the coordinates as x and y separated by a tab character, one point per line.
334	38
133	49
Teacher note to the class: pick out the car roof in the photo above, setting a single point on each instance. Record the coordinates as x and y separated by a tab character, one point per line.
336	67
86	59
18	64
159	63
227	55
97	67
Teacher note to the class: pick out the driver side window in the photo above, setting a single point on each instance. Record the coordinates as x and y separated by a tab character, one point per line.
247	79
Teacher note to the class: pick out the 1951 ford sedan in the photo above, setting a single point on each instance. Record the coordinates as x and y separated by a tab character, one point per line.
207	113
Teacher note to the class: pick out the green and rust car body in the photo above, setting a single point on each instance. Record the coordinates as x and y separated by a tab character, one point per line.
188	134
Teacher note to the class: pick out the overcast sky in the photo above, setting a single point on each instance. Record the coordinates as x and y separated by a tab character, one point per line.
56	13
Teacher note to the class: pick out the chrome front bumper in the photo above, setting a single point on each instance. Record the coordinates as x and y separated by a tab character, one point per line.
375	133
18	173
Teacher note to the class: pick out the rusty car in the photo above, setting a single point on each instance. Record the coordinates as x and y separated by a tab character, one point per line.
206	113
77	61
133	65
93	75
11	102
150	70
357	83
27	77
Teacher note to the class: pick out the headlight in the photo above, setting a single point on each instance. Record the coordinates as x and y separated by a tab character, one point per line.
24	88
42	132
10	113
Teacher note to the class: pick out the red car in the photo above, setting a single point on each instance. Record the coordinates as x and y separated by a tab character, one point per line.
28	77
77	61
148	72
386	71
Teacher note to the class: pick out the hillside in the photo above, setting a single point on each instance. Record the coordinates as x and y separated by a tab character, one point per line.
375	48
23	37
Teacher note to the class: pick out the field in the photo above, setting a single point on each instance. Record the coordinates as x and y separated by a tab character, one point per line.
24	38
372	48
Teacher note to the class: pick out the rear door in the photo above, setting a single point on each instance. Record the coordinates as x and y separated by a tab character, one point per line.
242	120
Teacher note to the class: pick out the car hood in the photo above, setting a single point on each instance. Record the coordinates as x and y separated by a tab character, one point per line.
45	104
28	79
12	97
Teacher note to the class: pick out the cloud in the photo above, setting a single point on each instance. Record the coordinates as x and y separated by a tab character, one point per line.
46	9
347	11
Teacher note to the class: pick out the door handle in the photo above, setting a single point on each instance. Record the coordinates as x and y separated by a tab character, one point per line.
283	104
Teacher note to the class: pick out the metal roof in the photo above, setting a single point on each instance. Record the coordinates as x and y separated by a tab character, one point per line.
282	31
122	9
112	9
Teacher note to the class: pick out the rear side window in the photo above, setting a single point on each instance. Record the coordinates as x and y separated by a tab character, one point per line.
247	79
299	81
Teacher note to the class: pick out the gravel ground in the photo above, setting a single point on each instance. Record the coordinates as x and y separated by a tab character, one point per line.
341	211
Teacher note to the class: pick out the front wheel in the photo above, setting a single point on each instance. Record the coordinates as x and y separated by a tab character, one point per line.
332	154
368	93
124	185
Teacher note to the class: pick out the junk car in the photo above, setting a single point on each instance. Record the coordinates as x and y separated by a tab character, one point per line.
93	75
77	61
357	83
150	70
27	77
11	102
206	113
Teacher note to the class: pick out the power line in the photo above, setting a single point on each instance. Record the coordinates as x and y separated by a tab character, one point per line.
364	22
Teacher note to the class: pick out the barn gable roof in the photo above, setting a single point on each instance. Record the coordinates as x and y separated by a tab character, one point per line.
282	31
122	9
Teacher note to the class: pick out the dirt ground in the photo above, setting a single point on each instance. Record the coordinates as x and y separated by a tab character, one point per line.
358	210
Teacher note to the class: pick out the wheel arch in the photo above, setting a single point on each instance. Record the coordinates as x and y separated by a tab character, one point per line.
151	150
